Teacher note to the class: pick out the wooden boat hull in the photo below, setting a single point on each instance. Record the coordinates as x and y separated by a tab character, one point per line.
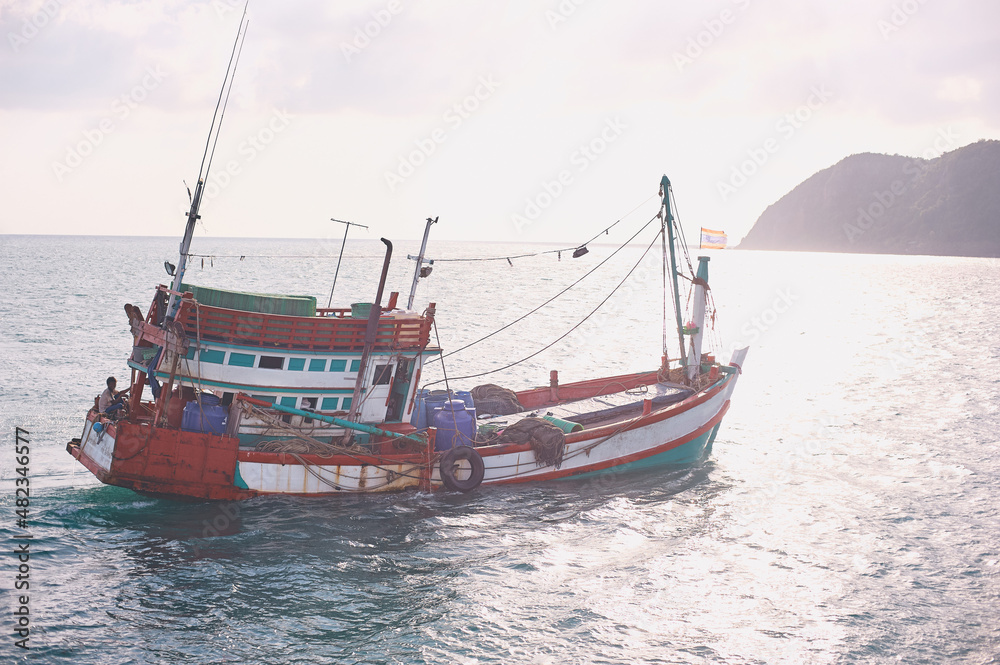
192	465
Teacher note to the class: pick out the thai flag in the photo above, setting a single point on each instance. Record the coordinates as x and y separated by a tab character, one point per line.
712	239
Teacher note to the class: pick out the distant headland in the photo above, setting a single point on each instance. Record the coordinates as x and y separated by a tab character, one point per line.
891	204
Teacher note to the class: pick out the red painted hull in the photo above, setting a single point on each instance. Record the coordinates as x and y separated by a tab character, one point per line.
168	462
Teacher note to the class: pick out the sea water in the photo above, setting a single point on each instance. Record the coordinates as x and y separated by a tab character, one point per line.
848	512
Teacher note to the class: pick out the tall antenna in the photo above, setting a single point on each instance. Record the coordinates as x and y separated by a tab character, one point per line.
234	58
210	143
421	270
339	258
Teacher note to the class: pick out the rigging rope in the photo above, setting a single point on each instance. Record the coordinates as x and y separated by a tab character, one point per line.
564	335
524	316
553	251
604	231
229	75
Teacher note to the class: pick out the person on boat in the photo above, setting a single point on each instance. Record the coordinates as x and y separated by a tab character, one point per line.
112	402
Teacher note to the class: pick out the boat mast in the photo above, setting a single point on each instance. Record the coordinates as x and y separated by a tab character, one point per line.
193	213
193	218
420	262
667	228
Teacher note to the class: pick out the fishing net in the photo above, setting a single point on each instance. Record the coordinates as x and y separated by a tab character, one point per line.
495	400
547	440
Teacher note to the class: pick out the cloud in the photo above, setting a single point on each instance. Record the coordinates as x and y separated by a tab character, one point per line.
365	80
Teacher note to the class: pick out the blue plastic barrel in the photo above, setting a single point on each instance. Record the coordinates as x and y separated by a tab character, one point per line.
456	425
466	397
419	416
434	399
210	416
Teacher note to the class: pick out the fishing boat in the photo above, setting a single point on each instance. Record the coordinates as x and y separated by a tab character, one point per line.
254	394
235	395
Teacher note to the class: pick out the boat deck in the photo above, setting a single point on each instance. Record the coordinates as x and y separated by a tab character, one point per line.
603	409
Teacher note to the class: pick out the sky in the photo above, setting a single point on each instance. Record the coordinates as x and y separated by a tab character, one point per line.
535	121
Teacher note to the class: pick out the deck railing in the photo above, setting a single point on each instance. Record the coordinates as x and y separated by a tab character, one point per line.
331	330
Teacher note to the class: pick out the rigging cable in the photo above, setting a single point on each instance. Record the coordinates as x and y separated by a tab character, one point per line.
229	68
524	316
453	260
230	90
564	335
549	251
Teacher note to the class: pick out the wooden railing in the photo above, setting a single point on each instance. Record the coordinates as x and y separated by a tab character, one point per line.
334	332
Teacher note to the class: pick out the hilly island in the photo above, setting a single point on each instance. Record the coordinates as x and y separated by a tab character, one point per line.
892	204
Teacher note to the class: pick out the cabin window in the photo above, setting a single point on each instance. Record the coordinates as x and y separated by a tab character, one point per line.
212	356
308	404
227	399
330	403
287	401
241	359
264	398
296	364
346	404
190	353
338	365
355	365
317	364
383	375
271	362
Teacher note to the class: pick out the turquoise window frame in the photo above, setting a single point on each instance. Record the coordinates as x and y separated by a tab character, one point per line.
288	401
317	365
346	405
338	365
329	404
356	364
212	356
296	364
241	359
265	398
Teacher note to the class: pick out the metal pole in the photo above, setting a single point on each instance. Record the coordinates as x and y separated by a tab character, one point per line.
668	222
330	419
420	262
347	228
371	332
185	247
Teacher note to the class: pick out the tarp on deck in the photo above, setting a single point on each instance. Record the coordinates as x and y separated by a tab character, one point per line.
265	303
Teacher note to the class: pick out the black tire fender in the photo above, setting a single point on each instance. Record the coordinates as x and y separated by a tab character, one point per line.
449	461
